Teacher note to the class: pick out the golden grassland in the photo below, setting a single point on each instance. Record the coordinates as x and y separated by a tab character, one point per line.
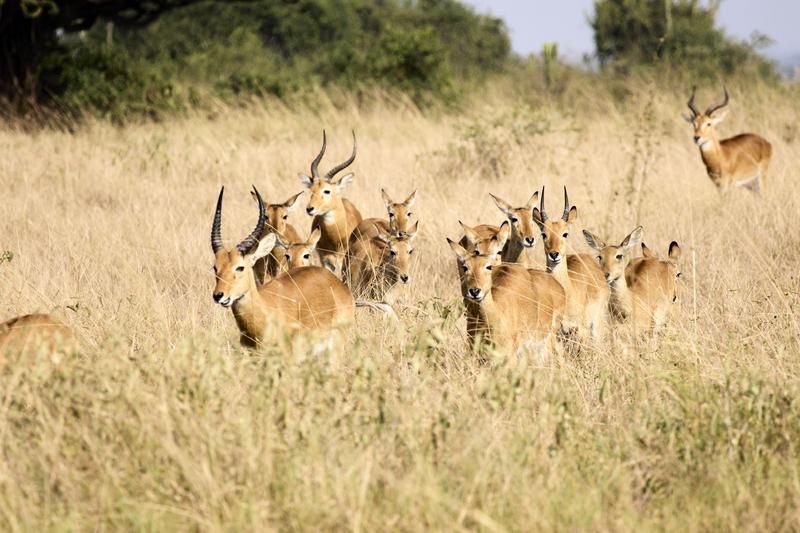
161	422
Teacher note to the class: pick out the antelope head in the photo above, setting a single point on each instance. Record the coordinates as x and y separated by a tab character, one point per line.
299	254
614	259
325	190
703	123
233	268
521	219
401	214
400	248
555	232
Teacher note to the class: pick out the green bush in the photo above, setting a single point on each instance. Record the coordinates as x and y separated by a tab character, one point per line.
109	84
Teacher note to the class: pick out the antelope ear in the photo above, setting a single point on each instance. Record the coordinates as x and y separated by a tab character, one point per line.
385	196
411	235
344	182
647	252
502	205
593	241
411	200
537	217
264	247
718	116
502	235
383	237
458	250
291	203
633	239
674	251
306	181
471	234
313	239
573	215
532	200
688	118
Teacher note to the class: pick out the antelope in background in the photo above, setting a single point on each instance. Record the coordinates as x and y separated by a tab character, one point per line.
277	216
379	258
34	332
296	254
335	216
523	231
586	291
643	290
401	216
511	307
739	161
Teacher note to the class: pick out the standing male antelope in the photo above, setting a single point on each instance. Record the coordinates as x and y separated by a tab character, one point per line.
581	277
335	216
739	161
378	258
310	298
523	231
401	216
643	290
277	215
510	306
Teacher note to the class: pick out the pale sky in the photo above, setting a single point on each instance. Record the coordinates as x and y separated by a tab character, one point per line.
534	22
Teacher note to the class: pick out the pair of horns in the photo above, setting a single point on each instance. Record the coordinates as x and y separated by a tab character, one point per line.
338	168
564	215
712	107
251	240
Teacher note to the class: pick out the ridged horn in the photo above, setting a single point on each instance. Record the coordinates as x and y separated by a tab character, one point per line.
251	240
316	161
338	168
216	227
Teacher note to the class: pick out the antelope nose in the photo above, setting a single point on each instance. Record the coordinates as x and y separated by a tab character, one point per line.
309	210
696	138
404	278
553	255
607	274
474	292
529	240
218	296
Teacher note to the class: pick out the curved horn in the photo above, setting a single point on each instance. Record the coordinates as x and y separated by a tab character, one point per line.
315	162
338	168
690	103
251	240
541	206
718	105
565	215
216	227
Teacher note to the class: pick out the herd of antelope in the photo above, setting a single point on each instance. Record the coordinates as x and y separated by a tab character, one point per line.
275	280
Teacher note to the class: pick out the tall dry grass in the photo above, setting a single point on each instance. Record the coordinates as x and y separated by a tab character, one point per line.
161	422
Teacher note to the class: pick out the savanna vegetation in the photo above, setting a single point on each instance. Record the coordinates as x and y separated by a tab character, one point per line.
161	421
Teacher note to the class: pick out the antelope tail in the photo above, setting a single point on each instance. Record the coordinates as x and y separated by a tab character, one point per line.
383	307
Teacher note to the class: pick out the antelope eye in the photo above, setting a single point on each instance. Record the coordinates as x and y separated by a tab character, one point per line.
326	191
393	253
565	235
514	220
678	275
306	256
287	256
619	257
544	236
488	267
409	214
391	215
410	251
285	217
464	268
240	268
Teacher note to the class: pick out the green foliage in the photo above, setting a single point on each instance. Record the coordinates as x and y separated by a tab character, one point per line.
675	33
108	83
239	50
